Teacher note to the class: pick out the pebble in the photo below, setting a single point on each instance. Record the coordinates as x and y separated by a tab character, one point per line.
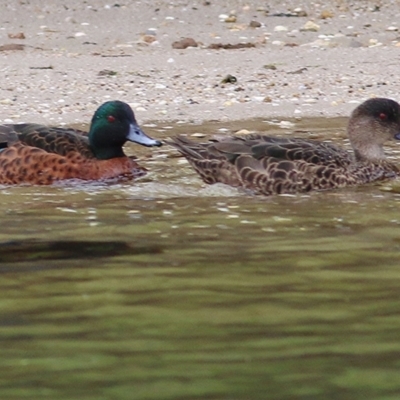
300	12
281	28
148	39
19	35
198	135
325	14
231	19
243	132
184	43
286	124
255	24
227	18
310	26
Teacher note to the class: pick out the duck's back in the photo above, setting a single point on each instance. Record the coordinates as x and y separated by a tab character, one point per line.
62	141
290	149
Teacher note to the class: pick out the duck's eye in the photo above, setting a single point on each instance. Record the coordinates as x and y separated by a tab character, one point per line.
111	118
383	116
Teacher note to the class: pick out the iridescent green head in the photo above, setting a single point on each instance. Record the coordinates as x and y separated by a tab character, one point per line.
112	125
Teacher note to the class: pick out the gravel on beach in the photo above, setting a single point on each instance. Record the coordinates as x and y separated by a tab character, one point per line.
195	61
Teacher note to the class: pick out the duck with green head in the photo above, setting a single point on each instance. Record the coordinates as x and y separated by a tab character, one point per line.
37	154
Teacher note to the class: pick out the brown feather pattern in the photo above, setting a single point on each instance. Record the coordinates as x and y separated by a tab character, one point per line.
41	155
269	165
38	154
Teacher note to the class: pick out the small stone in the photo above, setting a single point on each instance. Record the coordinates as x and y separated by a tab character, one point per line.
286	124
184	43
310	26
198	135
299	12
270	66
19	35
231	19
281	28
242	132
267	99
6	101
326	14
80	34
148	39
255	24
374	43
229	79
392	28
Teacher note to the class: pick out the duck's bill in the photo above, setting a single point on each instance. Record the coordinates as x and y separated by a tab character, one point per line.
138	136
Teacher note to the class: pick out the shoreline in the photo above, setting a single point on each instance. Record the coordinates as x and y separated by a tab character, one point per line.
74	59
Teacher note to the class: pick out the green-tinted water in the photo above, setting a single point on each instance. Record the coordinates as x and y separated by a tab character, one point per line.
169	289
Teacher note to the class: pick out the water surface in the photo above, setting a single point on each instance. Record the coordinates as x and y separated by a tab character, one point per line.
170	289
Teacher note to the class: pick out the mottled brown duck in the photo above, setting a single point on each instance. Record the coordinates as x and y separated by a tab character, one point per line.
270	165
41	155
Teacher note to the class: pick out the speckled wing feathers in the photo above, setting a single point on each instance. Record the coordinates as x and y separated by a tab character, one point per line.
54	140
278	165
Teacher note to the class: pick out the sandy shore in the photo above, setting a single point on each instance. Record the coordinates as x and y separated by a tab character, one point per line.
67	58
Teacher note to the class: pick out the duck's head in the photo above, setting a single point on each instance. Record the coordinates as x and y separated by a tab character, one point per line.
112	125
371	124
